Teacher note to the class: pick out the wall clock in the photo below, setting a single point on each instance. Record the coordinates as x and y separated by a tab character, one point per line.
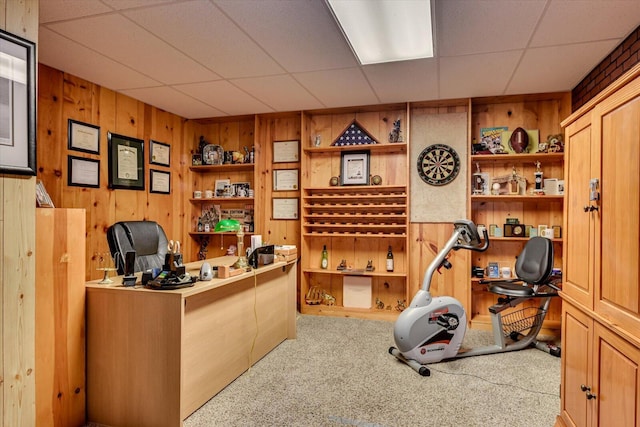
438	164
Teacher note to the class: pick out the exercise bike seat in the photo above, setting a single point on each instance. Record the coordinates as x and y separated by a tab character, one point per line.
533	270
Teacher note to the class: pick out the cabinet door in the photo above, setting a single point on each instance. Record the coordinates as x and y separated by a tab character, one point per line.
576	361
617	297
578	239
616	379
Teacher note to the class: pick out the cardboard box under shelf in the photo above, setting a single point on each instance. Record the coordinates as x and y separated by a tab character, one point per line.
356	292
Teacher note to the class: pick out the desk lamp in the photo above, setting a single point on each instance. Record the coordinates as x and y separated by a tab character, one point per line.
229	225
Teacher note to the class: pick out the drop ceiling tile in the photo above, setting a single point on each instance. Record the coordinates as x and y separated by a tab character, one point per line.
282	93
121	40
568	22
193	27
58	10
53	50
173	101
126	4
404	81
299	35
477	75
225	97
470	27
558	68
338	88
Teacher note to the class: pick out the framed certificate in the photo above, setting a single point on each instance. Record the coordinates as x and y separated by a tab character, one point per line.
83	137
285	208
83	172
286	151
159	153
126	162
285	180
160	181
354	168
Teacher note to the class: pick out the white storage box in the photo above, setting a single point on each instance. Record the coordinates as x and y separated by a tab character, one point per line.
356	292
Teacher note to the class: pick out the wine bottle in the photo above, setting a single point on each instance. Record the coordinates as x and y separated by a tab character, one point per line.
324	263
389	259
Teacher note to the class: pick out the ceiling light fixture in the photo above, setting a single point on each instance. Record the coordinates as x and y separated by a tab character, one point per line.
385	30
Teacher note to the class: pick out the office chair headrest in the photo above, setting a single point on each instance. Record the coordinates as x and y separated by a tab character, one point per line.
144	236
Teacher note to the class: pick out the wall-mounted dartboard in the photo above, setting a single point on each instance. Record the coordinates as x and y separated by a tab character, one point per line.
438	164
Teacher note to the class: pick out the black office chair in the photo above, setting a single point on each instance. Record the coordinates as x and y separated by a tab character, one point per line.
146	238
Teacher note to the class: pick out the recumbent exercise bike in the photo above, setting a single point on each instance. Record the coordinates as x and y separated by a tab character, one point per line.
431	329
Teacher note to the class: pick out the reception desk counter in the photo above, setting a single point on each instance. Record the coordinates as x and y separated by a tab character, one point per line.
155	356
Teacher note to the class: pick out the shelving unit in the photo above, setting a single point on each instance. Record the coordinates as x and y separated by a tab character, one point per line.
542	112
356	223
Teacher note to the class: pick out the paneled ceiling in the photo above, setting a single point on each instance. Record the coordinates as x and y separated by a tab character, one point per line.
211	58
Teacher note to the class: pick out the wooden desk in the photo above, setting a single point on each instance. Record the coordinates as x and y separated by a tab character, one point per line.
154	357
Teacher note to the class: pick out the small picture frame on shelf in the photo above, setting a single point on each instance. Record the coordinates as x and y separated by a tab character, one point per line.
220	187
196	160
493	270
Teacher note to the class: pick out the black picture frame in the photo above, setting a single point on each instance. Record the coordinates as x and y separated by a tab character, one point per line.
18	107
159	181
354	168
126	162
83	137
83	172
157	152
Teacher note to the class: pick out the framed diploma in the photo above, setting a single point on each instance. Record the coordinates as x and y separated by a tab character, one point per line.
159	153
126	162
285	208
83	172
286	151
83	137
285	180
159	181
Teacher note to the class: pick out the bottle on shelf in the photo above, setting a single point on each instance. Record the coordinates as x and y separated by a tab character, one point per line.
389	259
324	262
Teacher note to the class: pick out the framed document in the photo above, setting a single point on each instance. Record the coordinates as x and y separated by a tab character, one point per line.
83	172
354	168
286	151
159	181
285	208
159	153
285	180
83	137
17	105
126	162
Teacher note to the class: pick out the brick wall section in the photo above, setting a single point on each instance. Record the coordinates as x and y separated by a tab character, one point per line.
623	57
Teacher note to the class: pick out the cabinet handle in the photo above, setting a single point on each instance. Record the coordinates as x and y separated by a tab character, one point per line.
586	208
593	208
584	388
588	391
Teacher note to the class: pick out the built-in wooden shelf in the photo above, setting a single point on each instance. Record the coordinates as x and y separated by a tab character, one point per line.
399	147
222	200
221	168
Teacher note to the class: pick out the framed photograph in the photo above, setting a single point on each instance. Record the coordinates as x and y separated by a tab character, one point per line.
83	137
220	186
285	208
126	162
17	105
159	181
286	151
82	172
354	168
493	270
241	189
285	180
159	153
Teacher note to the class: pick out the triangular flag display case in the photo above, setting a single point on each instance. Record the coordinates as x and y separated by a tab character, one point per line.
354	134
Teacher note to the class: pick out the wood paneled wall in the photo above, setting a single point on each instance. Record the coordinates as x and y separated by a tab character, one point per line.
62	97
17	262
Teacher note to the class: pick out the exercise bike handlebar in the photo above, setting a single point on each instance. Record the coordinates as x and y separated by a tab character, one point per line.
463	231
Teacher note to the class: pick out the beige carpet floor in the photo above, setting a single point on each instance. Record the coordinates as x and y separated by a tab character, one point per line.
338	372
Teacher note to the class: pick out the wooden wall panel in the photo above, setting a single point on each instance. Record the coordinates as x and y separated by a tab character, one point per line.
63	97
17	262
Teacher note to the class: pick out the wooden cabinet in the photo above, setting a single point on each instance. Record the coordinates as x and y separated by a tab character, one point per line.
356	223
535	112
602	243
60	317
600	373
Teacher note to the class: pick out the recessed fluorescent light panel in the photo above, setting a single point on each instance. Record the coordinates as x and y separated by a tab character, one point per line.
385	30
